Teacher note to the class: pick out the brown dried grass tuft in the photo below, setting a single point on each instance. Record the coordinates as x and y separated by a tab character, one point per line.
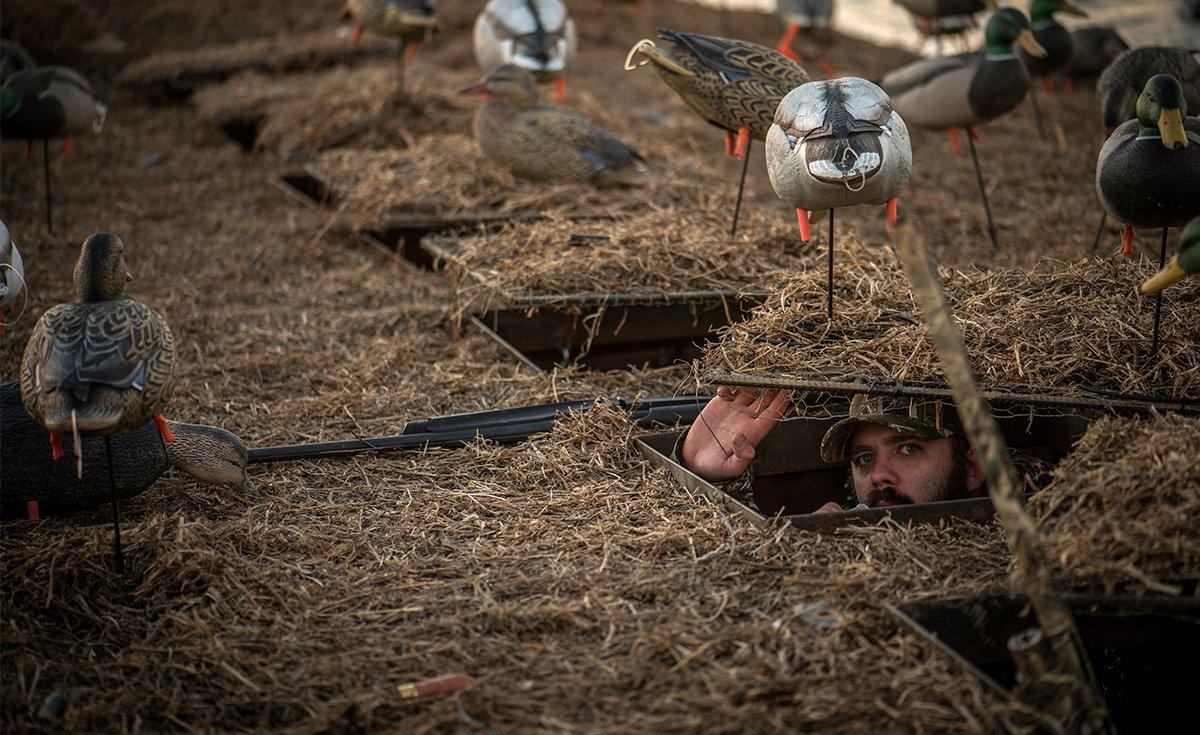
1061	328
1120	511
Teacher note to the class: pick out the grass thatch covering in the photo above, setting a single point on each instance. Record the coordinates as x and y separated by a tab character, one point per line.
1060	329
672	250
340	107
1121	511
448	175
187	69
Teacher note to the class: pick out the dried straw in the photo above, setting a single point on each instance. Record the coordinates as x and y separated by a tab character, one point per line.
1120	511
1059	328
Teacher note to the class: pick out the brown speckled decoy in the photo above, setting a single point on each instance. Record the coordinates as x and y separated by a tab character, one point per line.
547	143
408	21
101	365
735	85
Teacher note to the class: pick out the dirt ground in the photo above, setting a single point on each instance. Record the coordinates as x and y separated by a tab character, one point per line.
581	589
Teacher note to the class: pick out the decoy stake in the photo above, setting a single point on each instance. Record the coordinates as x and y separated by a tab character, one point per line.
46	171
118	557
1162	262
829	270
987	210
737	207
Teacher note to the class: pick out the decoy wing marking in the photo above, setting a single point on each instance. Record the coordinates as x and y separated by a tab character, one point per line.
921	73
710	52
584	135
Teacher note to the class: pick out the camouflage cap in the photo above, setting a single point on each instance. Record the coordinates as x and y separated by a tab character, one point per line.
923	418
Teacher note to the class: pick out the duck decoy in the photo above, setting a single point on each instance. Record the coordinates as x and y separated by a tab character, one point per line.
837	143
935	18
536	35
1148	172
12	275
1123	80
547	143
967	89
1055	39
33	483
734	85
1093	48
408	21
13	58
48	102
803	15
1185	263
99	366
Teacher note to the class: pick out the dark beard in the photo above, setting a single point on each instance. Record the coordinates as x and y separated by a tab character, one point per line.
953	488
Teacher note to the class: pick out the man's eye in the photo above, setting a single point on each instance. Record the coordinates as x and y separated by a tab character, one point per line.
862	460
910	448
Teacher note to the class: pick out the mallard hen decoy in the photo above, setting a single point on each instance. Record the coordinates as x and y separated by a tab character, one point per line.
408	21
1124	79
967	89
1185	263
734	85
103	364
536	35
1092	49
837	143
547	143
12	275
1148	172
48	102
33	483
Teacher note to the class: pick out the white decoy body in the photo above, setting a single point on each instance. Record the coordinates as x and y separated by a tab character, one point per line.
838	143
12	275
535	35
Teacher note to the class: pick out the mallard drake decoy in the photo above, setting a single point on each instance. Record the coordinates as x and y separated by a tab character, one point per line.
99	366
33	483
803	15
547	143
1051	35
13	58
1148	172
48	102
935	17
837	143
1185	263
967	89
734	85
12	275
1092	49
536	35
408	21
1124	79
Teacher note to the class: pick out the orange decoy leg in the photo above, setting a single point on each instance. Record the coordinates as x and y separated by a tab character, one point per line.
1127	241
827	68
785	42
69	146
743	140
1048	84
163	429
356	36
28	150
56	447
560	89
730	143
805	230
893	213
973	133
31	510
1068	86
411	52
954	140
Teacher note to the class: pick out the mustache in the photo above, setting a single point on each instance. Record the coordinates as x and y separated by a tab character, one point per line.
887	494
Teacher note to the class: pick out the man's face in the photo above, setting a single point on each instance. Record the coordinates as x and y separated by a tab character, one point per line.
892	468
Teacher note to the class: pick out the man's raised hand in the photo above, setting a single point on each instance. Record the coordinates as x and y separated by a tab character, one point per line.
721	444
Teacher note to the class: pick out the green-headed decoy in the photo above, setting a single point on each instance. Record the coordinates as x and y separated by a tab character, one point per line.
48	102
99	366
408	21
12	276
547	143
1148	172
734	85
837	143
1093	48
33	483
967	89
1124	79
536	35
1185	263
1051	35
